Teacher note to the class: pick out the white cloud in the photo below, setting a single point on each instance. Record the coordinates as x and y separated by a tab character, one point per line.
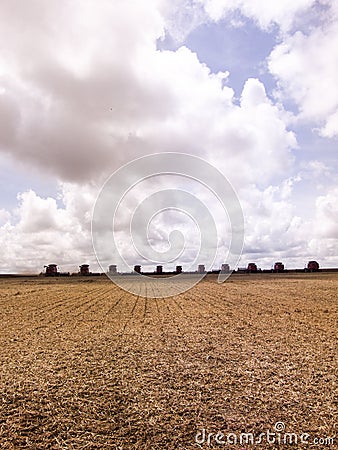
83	90
70	98
85	108
305	63
330	128
271	220
182	17
39	231
326	224
276	230
81	127
4	217
315	169
305	66
323	241
265	14
256	135
37	214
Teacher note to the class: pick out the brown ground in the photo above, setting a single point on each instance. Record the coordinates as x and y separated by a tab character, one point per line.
85	365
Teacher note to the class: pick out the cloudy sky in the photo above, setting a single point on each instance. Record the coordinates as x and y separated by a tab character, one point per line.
248	85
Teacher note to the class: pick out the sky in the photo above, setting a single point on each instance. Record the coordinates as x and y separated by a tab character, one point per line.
248	85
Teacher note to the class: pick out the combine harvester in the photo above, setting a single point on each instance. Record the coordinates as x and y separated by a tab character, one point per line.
312	266
252	268
278	267
84	271
52	271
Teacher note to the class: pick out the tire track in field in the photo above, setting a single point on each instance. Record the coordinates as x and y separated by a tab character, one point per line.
31	316
86	314
112	329
122	332
158	317
13	296
115	307
213	307
169	313
66	306
24	315
139	320
134	325
111	307
22	297
172	332
68	299
189	307
192	311
101	296
31	309
118	307
127	332
151	326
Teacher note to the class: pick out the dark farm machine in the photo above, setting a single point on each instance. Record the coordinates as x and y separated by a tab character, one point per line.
52	271
85	272
312	266
252	268
278	267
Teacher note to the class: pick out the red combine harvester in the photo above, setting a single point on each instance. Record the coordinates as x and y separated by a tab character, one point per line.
225	268
85	272
278	267
201	268
252	268
52	270
312	266
84	269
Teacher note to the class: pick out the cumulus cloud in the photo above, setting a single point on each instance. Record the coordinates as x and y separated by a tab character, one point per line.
304	62
330	129
324	241
4	217
265	14
39	231
326	215
70	99
119	98
271	220
315	169
254	132
182	17
306	67
275	228
84	89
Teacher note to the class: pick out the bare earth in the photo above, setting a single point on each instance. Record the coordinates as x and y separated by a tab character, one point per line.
85	365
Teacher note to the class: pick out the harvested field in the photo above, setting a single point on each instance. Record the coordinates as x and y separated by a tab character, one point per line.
85	365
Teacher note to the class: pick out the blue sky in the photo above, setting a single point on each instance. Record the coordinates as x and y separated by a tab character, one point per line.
242	51
246	85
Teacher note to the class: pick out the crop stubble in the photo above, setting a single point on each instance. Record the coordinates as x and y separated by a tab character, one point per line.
87	365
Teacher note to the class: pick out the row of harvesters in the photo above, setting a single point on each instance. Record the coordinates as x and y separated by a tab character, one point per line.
52	271
278	267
